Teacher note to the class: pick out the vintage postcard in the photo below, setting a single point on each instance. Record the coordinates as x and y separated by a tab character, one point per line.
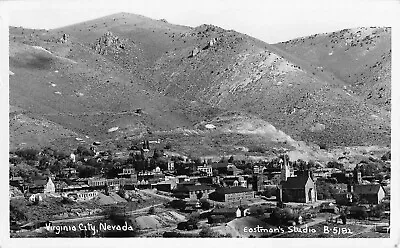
208	119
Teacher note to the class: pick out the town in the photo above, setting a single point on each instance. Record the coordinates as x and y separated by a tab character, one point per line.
159	193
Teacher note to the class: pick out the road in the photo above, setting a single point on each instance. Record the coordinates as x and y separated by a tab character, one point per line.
151	192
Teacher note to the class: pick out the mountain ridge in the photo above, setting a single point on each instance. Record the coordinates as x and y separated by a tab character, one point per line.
152	76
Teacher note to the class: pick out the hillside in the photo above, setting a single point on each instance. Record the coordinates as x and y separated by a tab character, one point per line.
360	57
148	76
69	83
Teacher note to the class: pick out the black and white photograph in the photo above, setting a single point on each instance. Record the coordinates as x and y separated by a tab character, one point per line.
199	119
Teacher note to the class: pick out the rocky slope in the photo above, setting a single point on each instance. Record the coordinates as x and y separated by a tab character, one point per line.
360	57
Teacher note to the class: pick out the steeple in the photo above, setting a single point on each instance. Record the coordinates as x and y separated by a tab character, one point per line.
285	169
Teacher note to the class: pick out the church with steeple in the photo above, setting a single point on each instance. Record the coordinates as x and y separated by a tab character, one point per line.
301	188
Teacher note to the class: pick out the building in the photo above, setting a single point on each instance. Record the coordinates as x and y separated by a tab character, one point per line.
220	168
112	184
232	194
167	185
232	170
194	192
298	189
16	181
369	193
171	165
234	181
256	182
258	169
41	185
207	169
128	171
209	180
97	182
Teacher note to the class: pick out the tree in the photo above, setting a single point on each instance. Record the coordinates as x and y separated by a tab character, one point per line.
355	198
207	232
86	171
386	156
205	205
247	171
84	151
334	164
178	204
193	218
28	153
281	215
151	210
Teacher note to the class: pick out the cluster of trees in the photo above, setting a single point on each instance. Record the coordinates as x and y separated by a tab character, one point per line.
281	216
326	190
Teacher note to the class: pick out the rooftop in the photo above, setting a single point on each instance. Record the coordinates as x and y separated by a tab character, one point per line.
367	188
233	190
295	182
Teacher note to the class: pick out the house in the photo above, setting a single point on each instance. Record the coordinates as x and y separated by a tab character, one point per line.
233	170
370	193
232	194
220	168
50	187
16	181
128	171
241	212
69	172
209	180
234	181
197	191
258	169
171	165
167	185
225	211
41	185
298	189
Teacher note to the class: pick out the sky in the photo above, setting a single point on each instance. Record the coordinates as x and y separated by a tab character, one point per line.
270	21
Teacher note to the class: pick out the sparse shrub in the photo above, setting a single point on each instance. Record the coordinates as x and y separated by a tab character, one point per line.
28	153
256	149
168	146
152	210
